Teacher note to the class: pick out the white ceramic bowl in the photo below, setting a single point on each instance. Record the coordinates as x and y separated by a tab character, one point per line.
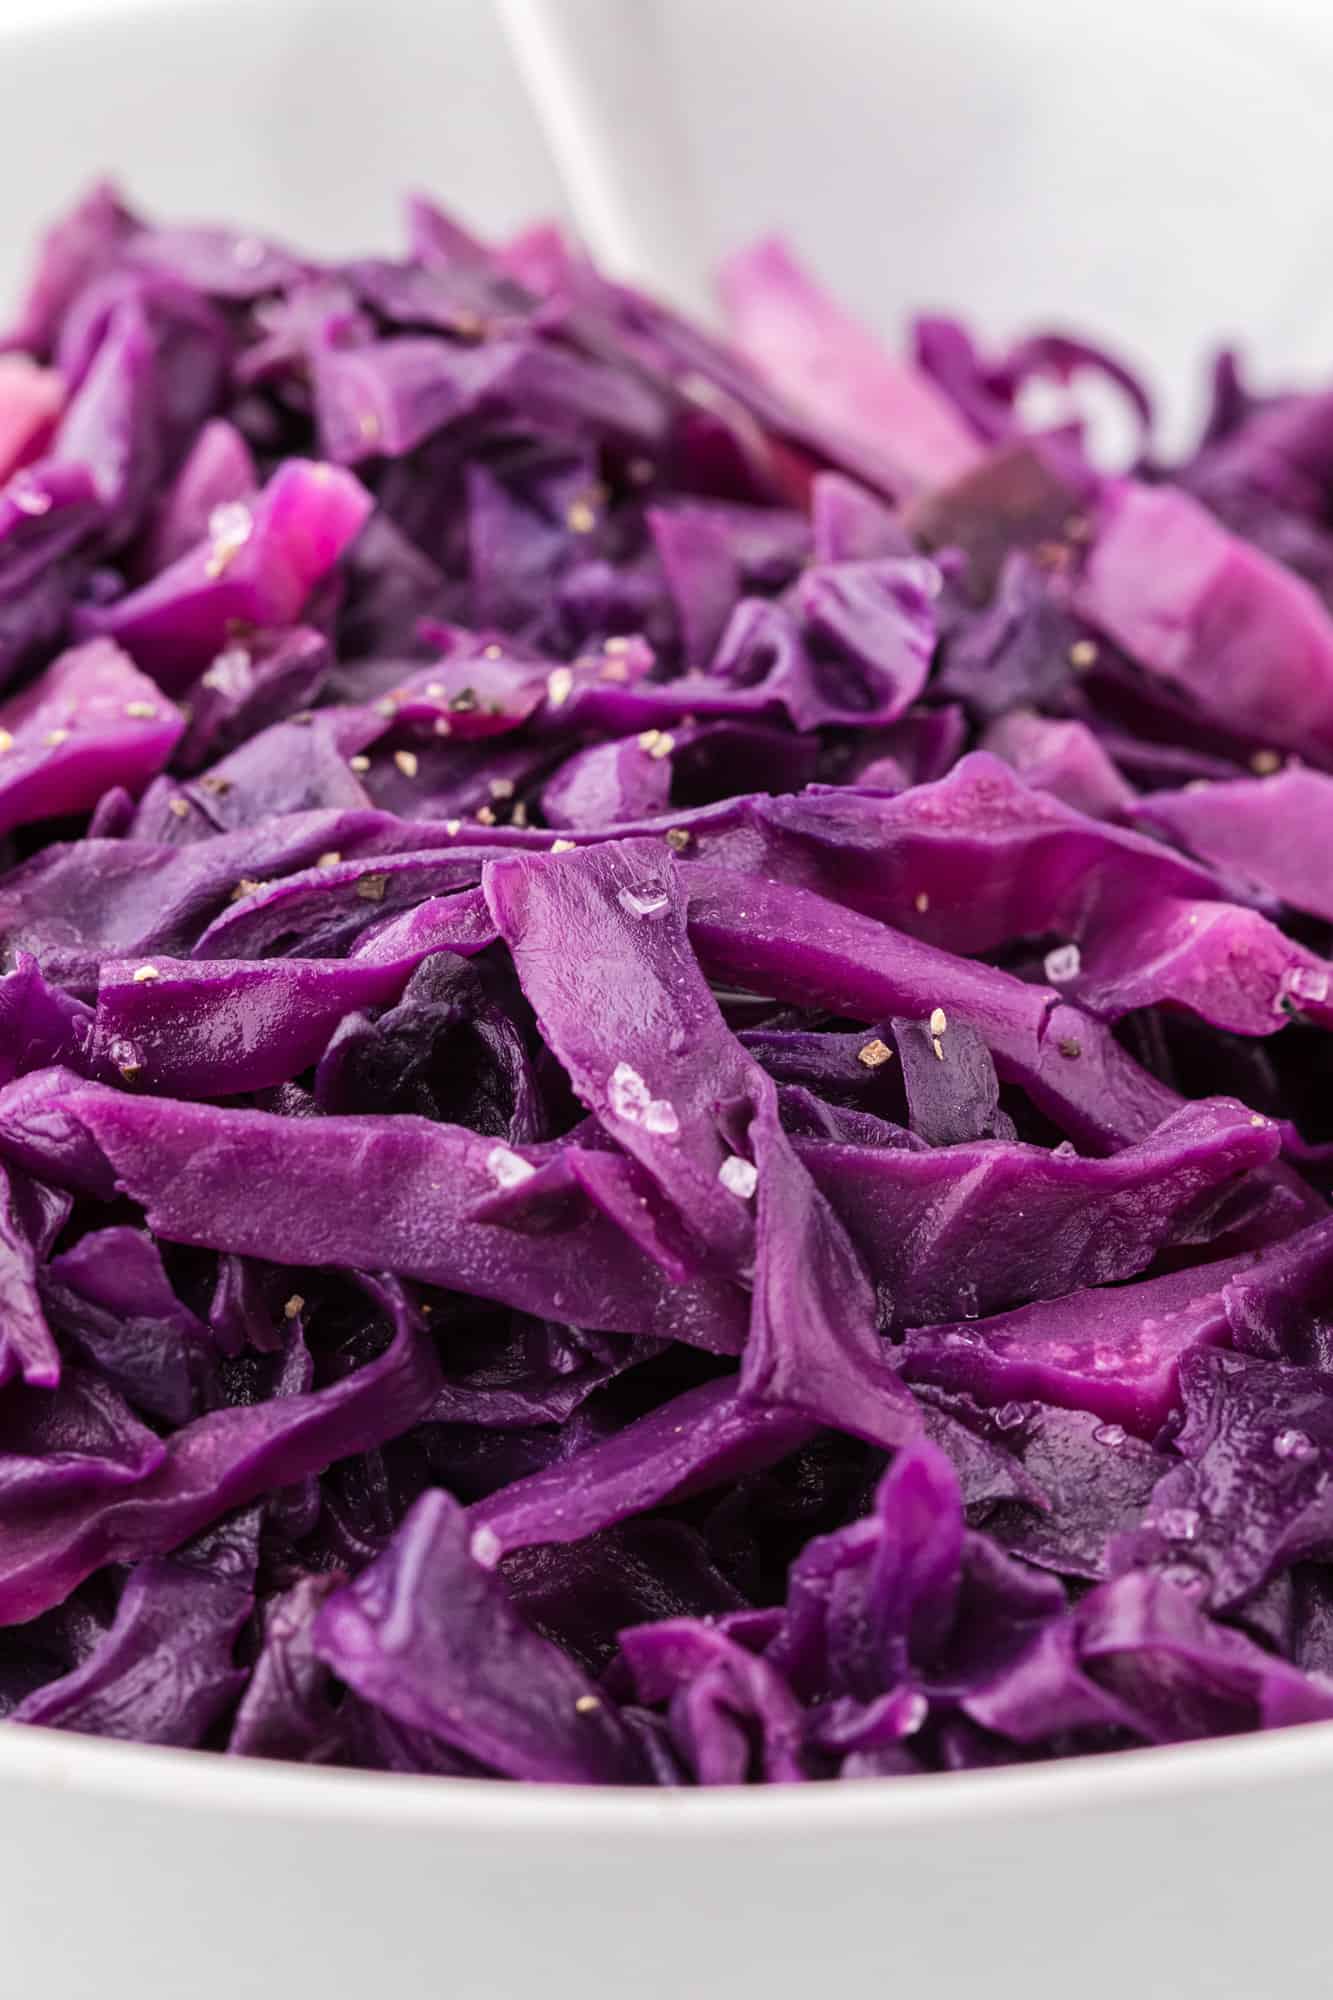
1194	1874
933	137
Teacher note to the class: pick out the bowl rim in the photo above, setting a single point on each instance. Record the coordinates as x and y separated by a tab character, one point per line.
96	1770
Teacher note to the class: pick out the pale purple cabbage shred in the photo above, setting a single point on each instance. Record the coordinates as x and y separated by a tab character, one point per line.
666	1034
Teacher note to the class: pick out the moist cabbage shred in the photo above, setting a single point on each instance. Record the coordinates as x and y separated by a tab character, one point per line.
666	1027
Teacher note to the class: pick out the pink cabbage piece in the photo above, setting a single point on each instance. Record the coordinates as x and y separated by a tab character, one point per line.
814	351
1250	642
1065	758
31	400
256	567
1272	832
90	721
218	471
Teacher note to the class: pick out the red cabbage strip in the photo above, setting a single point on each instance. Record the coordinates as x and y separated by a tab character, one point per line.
428	1635
391	1194
975	860
989	1224
256	567
1115	1353
211	1466
703	1438
1271	831
1122	1659
599	943
165	1671
77	904
79	1436
798	947
1250	641
812	1345
199	1029
806	344
89	721
1249	1492
325	906
31	1218
1227	966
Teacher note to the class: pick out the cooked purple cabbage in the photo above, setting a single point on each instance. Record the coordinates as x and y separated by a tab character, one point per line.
666	1077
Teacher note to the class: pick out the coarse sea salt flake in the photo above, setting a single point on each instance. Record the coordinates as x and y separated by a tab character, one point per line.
506	1169
632	1100
1063	964
738	1176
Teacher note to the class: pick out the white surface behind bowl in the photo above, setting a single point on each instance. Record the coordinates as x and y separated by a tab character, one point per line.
310	117
1191	1875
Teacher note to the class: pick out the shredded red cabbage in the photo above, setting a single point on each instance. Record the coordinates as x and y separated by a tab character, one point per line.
666	1091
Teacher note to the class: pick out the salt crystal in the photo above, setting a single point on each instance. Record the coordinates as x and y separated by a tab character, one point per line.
232	522
649	899
631	1099
27	496
912	1713
738	1176
506	1169
486	1547
1063	964
1307	982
